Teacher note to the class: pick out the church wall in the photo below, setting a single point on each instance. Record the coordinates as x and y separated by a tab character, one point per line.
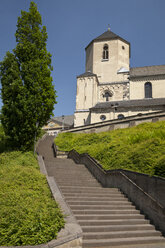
80	94
95	116
106	70
118	91
81	118
89	58
86	93
137	88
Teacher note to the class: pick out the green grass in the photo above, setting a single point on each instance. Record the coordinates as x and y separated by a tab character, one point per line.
28	213
140	148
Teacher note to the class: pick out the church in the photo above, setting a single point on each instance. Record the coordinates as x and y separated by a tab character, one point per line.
111	89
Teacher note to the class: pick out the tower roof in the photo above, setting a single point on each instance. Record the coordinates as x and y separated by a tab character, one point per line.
108	35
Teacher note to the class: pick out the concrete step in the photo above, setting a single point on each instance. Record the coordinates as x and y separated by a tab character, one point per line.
100	203
114	228
83	189
101	207
105	212
121	234
93	198
71	180
79	184
112	222
122	241
94	194
109	217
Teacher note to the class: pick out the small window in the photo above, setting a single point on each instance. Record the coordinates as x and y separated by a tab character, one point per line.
103	117
148	90
105	52
107	95
123	47
120	116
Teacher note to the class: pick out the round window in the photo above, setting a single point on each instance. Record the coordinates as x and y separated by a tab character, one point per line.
103	117
120	117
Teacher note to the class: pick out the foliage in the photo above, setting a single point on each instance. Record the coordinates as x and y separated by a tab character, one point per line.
140	148
4	141
28	214
27	92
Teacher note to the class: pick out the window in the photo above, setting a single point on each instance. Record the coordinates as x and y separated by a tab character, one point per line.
103	117
148	90
107	95
120	116
105	52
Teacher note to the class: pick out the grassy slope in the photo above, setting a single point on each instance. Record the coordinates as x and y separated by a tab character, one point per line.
141	148
28	214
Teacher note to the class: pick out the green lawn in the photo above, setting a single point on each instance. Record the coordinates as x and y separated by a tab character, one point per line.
28	213
140	148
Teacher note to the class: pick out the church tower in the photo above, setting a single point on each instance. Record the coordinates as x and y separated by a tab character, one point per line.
107	57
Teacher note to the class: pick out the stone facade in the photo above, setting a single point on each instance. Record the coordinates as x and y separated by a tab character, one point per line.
110	80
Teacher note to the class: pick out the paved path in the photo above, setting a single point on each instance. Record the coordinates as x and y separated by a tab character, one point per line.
106	216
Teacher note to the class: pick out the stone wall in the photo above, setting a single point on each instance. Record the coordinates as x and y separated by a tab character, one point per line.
116	124
133	185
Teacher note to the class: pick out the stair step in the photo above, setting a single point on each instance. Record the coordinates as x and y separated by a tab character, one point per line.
110	217
99	207
94	198
85	189
121	234
94	194
100	203
112	222
79	184
105	212
114	228
122	241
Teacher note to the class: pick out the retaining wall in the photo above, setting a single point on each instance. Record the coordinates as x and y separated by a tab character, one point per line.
147	193
116	124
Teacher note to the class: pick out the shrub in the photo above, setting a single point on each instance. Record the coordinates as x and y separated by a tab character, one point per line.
28	214
138	148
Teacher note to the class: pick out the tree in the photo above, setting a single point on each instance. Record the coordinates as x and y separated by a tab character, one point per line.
27	92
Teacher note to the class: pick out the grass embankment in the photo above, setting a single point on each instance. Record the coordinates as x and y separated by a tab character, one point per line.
140	149
28	214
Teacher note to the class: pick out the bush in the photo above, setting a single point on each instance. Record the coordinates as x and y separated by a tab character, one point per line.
139	148
28	214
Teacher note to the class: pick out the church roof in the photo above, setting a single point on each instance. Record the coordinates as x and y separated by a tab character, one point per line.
108	35
68	120
87	74
130	103
147	71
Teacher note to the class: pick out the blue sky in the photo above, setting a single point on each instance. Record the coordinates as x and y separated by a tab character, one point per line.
72	24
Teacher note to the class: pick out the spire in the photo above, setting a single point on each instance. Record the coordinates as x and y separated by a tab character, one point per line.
109	27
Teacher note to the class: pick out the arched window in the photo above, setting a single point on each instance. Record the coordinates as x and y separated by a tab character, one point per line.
148	90
107	95
105	52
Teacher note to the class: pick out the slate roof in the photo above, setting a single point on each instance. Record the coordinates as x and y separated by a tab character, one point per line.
130	103
108	35
68	120
147	71
87	74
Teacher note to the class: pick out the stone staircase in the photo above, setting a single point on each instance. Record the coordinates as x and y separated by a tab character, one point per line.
106	216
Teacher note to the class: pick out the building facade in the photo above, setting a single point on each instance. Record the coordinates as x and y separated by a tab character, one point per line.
110	89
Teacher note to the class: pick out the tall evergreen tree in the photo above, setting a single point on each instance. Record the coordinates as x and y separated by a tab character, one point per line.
27	92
